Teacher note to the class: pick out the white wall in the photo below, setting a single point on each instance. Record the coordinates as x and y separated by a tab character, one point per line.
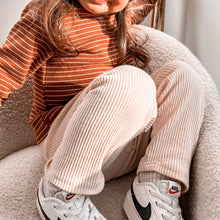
196	23
10	11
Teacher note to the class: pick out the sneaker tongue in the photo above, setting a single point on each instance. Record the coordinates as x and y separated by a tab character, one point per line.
169	188
65	196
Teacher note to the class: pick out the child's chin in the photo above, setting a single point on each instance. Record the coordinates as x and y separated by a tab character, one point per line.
98	9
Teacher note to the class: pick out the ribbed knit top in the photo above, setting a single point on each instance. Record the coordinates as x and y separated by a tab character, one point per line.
58	77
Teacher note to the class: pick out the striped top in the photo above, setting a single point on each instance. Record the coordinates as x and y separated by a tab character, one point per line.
58	77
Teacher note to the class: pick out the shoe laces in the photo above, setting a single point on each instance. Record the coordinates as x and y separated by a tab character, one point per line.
81	207
171	205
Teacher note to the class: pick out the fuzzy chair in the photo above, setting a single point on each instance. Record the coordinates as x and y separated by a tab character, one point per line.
21	165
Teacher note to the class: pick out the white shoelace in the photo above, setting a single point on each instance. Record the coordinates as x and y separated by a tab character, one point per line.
173	211
82	208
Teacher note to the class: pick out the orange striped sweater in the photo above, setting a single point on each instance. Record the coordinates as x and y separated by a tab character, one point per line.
59	77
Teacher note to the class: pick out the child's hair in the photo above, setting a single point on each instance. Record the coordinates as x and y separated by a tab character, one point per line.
53	13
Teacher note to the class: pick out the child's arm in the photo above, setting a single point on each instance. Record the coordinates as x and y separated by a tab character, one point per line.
137	10
24	51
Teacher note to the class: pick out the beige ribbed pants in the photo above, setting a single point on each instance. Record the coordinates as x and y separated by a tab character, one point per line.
122	121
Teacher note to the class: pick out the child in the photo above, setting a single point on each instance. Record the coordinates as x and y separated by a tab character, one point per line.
96	114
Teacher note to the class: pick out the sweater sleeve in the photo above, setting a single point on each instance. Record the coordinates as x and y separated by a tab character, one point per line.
24	51
137	10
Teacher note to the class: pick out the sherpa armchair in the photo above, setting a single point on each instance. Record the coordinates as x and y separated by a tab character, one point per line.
21	164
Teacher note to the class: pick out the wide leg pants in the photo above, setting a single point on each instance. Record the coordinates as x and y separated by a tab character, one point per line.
126	119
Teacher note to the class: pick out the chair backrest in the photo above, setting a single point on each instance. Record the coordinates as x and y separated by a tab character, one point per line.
198	203
158	15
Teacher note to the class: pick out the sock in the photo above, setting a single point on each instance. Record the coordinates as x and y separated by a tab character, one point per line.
153	177
49	188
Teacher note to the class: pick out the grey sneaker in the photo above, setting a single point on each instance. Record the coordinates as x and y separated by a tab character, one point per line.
149	202
65	206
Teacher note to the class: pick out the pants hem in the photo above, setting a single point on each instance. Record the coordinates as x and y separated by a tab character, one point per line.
163	169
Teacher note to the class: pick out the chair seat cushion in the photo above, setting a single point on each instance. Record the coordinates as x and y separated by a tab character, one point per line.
20	174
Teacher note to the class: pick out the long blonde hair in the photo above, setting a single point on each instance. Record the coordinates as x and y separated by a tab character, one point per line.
53	13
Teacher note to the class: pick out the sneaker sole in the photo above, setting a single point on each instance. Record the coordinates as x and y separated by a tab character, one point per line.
129	208
40	209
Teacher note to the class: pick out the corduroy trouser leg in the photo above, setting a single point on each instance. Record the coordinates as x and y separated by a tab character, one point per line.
167	147
115	107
